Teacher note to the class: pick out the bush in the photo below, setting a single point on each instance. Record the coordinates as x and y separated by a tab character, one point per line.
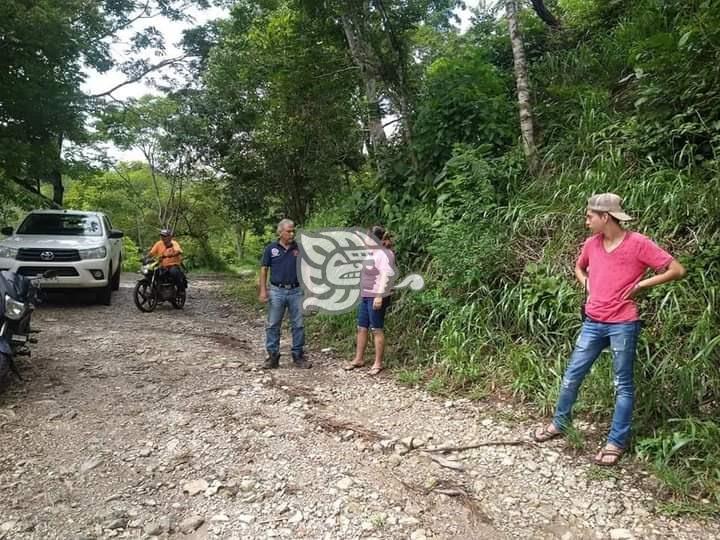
132	255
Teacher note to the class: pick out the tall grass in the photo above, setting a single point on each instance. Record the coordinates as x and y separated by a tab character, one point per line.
495	320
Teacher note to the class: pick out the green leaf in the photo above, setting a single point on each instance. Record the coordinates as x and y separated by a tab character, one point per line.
684	38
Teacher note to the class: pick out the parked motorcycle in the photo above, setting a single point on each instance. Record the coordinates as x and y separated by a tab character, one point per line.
19	296
157	286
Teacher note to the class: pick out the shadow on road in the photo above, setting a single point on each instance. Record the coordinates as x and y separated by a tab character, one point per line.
69	297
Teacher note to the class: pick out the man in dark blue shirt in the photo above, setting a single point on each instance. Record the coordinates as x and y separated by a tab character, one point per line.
280	261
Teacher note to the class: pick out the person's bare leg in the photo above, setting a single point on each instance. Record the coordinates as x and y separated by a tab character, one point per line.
379	341
361	341
361	345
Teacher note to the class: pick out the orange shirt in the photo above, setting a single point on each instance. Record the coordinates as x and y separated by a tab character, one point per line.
172	256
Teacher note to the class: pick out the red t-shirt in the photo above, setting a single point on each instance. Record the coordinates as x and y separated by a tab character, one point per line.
612	275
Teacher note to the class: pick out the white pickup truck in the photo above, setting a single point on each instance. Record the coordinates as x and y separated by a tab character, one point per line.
82	247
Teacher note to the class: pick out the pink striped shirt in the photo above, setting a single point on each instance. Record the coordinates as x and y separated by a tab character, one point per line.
371	282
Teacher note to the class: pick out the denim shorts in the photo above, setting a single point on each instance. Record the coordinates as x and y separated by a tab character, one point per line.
367	317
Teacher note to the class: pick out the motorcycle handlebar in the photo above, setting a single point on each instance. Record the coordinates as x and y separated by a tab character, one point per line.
47	274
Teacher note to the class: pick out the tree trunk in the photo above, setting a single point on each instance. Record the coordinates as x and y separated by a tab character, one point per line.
361	56
240	234
406	113
58	188
527	129
378	139
544	13
399	86
56	175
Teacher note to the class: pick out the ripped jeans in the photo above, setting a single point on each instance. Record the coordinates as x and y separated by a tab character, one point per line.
594	337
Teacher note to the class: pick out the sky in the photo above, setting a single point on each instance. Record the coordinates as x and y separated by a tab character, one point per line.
97	83
172	31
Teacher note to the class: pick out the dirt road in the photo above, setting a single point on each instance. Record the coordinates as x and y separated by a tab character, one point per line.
135	425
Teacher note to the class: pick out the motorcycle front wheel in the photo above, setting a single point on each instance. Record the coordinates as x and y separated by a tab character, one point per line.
145	296
179	301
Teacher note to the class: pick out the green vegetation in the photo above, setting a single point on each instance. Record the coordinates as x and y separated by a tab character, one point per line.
627	102
284	118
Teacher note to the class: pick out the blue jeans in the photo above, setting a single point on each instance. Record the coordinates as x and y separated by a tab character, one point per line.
278	300
367	317
594	337
178	276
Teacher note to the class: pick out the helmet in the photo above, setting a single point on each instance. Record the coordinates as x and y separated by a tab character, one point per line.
165	232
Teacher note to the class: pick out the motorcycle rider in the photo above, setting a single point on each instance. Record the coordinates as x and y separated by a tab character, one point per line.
168	250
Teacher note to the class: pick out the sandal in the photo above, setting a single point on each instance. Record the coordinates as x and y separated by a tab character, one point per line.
375	370
352	365
545	435
614	453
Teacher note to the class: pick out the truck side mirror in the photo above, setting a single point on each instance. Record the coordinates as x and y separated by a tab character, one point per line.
7	231
116	234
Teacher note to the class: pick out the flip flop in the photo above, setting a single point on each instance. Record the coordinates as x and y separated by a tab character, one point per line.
608	452
545	435
352	365
374	371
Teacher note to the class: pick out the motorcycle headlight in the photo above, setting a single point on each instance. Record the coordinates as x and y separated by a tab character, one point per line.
8	252
13	309
94	253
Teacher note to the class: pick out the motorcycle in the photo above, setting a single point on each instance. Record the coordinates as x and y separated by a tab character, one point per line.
19	296
157	286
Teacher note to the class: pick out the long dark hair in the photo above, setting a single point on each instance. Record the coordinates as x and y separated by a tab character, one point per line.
378	232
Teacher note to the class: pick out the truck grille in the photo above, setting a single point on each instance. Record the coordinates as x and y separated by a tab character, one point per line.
62	271
48	255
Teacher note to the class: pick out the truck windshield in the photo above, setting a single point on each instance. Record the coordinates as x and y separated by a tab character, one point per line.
61	225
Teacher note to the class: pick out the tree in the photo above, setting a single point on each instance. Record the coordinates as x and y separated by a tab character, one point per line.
464	99
527	129
142	125
45	47
289	129
125	194
378	36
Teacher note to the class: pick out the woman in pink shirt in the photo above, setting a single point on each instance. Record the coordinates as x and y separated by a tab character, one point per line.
611	268
376	278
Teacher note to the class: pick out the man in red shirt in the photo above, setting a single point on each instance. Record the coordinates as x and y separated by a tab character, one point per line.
611	268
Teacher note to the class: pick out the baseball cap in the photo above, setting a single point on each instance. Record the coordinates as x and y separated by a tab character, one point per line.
610	203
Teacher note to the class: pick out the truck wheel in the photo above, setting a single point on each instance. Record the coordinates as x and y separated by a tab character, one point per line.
116	277
104	294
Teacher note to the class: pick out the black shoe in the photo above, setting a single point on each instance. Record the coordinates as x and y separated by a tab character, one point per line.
272	361
300	362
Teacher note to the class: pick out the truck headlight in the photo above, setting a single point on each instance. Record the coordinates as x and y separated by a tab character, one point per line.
8	252
13	309
94	253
